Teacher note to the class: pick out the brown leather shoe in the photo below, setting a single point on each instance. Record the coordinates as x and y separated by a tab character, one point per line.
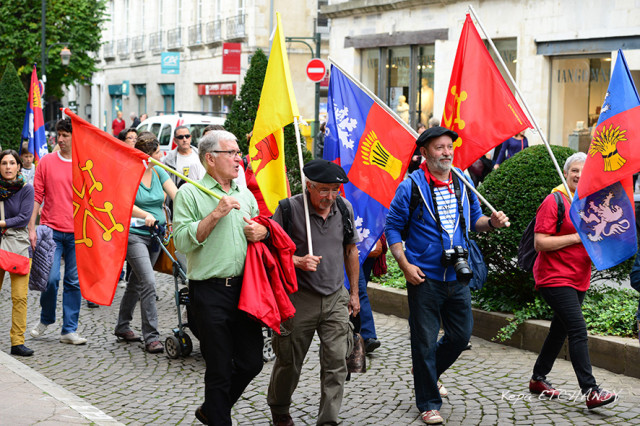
282	419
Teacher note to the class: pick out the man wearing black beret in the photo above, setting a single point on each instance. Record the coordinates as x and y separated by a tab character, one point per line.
434	261
322	302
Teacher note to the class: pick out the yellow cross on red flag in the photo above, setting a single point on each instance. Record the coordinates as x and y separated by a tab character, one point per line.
106	177
479	105
278	107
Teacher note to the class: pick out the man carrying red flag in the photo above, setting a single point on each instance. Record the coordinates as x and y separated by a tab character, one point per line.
53	182
434	262
479	107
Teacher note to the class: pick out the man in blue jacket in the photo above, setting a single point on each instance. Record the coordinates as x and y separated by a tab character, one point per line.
435	262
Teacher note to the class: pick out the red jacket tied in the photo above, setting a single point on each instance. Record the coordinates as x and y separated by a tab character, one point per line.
269	276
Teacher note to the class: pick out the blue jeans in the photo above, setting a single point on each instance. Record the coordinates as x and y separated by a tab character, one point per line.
428	303
71	297
367	326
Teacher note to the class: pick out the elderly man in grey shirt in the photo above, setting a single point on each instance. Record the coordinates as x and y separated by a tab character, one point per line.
322	302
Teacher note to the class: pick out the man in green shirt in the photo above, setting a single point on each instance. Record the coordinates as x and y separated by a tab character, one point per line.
213	234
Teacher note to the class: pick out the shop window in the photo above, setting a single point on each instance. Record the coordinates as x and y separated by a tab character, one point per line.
508	49
398	79
370	68
578	86
424	93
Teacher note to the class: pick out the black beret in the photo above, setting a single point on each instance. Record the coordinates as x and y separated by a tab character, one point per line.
434	132
324	171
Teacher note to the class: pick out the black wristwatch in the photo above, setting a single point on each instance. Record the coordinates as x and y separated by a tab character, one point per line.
491	224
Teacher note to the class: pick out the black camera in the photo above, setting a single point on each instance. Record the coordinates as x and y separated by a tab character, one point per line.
457	257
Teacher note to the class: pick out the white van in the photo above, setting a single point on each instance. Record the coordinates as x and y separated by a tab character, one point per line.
163	126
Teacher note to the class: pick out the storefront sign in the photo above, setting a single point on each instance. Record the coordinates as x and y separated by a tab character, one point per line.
217	89
582	75
231	58
170	62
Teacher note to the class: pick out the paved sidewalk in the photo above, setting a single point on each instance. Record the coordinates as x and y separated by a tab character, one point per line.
488	385
27	398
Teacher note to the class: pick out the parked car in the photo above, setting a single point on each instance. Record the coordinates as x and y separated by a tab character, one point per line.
164	125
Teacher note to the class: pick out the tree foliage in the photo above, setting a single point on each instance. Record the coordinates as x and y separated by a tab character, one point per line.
13	102
76	22
243	114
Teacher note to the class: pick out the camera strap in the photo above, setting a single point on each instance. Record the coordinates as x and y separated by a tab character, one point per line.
458	195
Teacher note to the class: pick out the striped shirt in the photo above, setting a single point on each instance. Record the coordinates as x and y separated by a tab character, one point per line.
447	209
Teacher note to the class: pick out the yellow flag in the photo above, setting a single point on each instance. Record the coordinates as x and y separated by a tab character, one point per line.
277	108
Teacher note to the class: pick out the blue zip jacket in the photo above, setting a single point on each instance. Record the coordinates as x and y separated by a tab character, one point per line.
423	247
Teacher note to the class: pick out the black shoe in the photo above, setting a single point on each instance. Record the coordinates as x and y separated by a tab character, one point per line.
21	350
92	305
200	416
371	345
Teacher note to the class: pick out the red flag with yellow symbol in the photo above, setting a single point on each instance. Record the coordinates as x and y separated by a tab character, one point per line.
278	107
106	176
479	105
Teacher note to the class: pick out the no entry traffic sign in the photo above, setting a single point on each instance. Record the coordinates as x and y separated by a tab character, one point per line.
316	70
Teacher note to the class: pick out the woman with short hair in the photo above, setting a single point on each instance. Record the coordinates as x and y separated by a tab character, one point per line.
562	272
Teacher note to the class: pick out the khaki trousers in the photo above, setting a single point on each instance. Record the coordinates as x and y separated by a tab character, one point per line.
19	288
329	316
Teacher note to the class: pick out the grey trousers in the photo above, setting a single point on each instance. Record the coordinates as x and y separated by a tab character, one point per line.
141	286
329	316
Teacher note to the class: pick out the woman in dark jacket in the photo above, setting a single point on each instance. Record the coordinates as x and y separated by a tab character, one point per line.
16	199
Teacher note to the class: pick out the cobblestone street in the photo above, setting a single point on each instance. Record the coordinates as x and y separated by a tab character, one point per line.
488	385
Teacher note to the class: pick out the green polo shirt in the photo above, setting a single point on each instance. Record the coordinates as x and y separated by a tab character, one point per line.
223	252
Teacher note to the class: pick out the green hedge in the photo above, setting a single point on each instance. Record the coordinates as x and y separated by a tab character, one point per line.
13	104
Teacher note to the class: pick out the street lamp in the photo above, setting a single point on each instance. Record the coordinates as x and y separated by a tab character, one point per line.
65	56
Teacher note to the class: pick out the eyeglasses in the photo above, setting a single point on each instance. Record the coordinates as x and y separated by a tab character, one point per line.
134	137
230	153
326	192
180	137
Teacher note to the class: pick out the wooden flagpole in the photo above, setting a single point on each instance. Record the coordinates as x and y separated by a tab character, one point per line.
303	181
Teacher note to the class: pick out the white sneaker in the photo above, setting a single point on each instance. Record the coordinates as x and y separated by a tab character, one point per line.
432	417
38	330
73	339
443	390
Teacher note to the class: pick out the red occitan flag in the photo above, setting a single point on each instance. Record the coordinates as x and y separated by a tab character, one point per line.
106	175
479	105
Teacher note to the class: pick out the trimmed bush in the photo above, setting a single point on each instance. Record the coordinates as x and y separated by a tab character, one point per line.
13	104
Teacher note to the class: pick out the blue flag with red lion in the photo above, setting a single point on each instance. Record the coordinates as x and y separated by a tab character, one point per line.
372	147
33	127
603	210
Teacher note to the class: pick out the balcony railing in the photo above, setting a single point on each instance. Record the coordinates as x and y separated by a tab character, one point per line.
195	35
174	38
236	27
108	50
155	43
214	32
138	46
123	48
